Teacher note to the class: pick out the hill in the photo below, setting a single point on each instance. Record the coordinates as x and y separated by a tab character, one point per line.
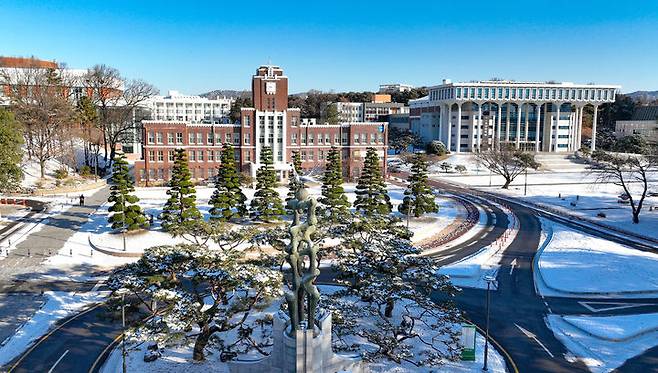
230	93
643	95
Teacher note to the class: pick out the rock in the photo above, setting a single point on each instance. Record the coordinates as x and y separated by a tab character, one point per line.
150	356
152	347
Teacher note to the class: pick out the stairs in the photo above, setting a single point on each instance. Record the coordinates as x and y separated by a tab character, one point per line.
560	162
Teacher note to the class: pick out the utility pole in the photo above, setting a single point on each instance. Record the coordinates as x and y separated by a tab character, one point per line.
489	280
525	184
123	334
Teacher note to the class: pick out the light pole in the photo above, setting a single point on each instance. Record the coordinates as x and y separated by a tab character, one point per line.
489	280
525	184
123	334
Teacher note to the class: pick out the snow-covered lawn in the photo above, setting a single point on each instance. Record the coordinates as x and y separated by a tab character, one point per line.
179	358
576	264
605	343
576	192
57	306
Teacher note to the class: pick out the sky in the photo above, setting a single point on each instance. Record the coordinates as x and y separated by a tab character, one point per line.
198	46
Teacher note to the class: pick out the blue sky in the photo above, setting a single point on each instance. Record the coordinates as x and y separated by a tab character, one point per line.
196	46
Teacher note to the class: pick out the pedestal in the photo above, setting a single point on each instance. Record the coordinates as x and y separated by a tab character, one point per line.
304	351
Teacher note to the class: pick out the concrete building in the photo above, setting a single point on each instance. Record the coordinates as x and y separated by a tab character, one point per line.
270	123
189	108
395	87
533	116
368	111
644	121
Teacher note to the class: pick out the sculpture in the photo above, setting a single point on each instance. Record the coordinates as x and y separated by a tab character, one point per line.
301	247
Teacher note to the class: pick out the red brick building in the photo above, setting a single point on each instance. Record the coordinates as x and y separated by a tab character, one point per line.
270	123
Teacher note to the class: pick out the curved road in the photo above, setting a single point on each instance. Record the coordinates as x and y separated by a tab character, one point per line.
517	312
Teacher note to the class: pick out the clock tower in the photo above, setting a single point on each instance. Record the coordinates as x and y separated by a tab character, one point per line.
269	88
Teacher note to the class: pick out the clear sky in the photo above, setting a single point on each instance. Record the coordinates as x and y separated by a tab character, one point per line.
196	46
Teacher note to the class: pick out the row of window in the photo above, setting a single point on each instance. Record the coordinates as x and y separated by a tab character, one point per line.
196	138
194	155
525	93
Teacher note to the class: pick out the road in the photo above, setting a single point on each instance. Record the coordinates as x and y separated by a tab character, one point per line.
517	312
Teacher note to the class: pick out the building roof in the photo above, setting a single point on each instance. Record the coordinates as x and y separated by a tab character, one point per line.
645	113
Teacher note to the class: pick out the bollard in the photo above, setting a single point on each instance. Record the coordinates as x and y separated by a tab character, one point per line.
91	253
28	252
71	252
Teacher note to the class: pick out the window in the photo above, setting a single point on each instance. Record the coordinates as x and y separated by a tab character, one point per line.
344	138
211	155
151	138
311	155
171	156
247	156
372	138
293	139
210	138
160	156
336	139
303	155
303	138
311	140
380	138
199	155
245	121
151	156
170	138
247	138
363	138
321	155
236	139
356	138
191	138
227	138
192	155
199	138
159	138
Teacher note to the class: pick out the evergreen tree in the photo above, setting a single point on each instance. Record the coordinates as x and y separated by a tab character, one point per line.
418	198
294	183
371	195
228	193
333	195
11	155
180	214
266	204
126	212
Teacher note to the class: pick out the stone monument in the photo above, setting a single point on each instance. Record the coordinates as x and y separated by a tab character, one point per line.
302	337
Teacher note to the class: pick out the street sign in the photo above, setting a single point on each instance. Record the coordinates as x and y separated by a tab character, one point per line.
468	342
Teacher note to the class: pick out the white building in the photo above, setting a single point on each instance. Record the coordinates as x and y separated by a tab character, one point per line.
532	116
395	87
350	111
353	112
644	121
189	108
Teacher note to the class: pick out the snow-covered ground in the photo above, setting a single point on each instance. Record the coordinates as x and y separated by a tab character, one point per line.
57	306
605	343
179	358
573	190
572	263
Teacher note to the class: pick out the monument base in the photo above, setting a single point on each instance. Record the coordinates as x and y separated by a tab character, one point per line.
304	351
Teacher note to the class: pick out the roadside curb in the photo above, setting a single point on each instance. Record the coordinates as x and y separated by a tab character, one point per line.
609	339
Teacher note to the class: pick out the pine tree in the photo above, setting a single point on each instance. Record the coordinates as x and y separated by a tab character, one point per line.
294	183
333	194
418	198
371	196
180	214
126	212
228	193
11	139
266	204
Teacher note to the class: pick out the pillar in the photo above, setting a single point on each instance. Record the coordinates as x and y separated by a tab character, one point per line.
479	127
518	125
537	128
448	124
458	134
509	106
596	114
498	119
557	125
580	127
527	123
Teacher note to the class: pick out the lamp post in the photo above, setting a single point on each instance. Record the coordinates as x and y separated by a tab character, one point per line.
489	280
123	334
525	184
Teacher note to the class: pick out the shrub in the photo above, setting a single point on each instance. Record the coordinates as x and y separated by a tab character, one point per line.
436	147
85	171
61	173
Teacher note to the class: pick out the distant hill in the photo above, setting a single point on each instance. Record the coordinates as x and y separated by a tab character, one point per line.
230	93
643	95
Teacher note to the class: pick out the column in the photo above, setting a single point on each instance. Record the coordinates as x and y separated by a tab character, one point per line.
596	114
471	128
537	128
527	123
449	121
518	126
509	106
498	119
479	127
580	127
557	126
458	134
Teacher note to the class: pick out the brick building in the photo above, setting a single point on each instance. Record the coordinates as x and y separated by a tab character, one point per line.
270	123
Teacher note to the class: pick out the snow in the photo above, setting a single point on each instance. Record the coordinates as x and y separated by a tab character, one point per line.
58	305
571	189
604	343
575	264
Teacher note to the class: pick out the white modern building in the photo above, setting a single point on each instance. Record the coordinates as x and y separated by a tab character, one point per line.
353	112
395	87
189	108
532	116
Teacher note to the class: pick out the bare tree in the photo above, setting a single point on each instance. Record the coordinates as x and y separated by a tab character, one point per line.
116	102
41	99
631	172
507	162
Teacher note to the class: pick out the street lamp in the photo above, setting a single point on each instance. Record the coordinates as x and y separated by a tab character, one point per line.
490	280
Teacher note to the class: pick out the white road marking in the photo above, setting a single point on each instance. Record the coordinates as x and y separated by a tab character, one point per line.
534	337
513	264
615	305
58	360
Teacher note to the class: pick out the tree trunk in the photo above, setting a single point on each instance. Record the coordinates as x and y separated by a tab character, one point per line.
388	311
202	341
42	168
507	183
636	217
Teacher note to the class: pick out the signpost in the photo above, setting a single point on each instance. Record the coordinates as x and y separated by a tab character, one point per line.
468	342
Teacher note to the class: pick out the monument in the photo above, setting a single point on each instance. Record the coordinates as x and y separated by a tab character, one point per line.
302	336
